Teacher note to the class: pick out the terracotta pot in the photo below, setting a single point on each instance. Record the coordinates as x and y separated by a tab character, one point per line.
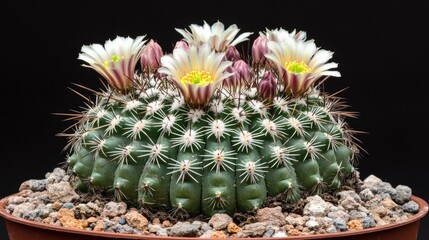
21	229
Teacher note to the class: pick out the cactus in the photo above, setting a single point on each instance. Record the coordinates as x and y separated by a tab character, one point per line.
203	130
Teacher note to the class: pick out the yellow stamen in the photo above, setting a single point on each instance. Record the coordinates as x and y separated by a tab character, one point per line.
297	67
115	58
200	78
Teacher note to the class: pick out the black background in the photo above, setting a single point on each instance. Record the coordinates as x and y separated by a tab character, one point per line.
381	48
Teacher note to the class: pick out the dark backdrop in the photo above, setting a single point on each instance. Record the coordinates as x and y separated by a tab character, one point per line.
381	48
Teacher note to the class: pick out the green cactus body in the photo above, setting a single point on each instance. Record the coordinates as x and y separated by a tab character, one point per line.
299	155
196	147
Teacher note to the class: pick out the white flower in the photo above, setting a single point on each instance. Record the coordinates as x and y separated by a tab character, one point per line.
216	35
115	61
300	63
197	72
281	35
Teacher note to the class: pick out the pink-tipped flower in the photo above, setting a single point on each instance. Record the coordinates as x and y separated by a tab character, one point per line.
216	35
300	63
267	87
182	44
243	71
151	56
232	54
259	49
197	73
116	61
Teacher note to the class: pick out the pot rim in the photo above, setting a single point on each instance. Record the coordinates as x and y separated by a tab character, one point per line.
423	210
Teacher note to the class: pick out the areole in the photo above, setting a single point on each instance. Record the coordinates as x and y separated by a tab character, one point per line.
21	229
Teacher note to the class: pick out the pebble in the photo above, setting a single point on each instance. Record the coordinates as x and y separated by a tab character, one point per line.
403	194
183	229
271	216
113	209
68	205
220	221
411	207
368	222
340	224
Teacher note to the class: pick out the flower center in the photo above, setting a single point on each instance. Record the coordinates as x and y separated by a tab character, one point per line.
297	67
200	78
114	58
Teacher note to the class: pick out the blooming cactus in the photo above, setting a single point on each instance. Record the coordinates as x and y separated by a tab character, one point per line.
207	130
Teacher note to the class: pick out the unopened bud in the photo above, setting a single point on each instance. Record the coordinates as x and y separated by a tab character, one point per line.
243	70
259	49
267	87
181	44
151	56
232	81
232	54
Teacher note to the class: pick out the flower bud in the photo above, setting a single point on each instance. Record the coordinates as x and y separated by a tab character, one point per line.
232	81
151	56
181	44
243	70
259	49
267	87
232	54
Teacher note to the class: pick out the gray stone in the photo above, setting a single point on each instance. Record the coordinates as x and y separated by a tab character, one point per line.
113	209
385	187
331	229
355	214
205	226
122	221
411	207
184	229
84	210
22	209
368	222
254	229
366	195
403	194
339	214
62	192
269	231
279	234
350	203
197	224
340	224
349	194
207	234
162	232
312	224
68	205
56	176
38	185
370	181
316	207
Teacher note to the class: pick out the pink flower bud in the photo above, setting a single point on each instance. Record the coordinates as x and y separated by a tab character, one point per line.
243	70
151	56
259	49
231	81
267	87
232	54
181	44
